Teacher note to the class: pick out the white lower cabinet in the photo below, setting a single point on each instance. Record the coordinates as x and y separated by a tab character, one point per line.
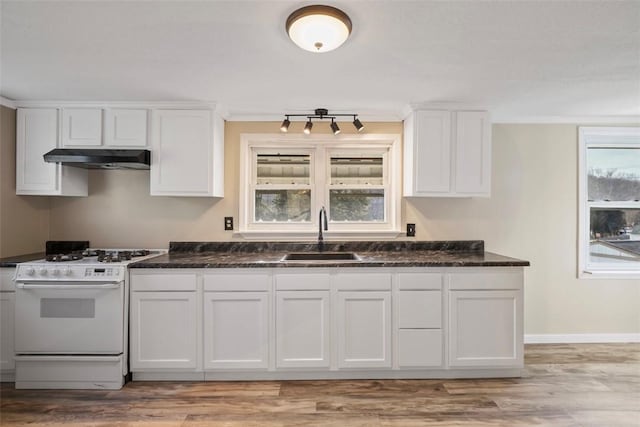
364	329
164	322
486	318
7	310
262	323
236	330
163	330
303	329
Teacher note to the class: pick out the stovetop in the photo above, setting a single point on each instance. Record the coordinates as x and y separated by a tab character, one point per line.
100	255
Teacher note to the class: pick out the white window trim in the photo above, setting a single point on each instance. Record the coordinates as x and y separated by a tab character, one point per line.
389	230
599	136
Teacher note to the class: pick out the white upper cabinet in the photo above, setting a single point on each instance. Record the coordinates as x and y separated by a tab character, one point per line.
187	153
447	154
125	127
38	133
81	127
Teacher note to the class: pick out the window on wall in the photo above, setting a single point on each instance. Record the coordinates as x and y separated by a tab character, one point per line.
609	209
286	180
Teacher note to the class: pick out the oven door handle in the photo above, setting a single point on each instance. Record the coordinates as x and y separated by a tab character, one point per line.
58	286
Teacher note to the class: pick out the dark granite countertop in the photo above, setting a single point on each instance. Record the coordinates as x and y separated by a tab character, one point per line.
372	254
12	261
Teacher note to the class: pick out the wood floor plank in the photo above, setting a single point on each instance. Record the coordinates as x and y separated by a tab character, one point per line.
562	385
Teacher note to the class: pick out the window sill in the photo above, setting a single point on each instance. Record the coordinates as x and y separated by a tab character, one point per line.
609	274
307	235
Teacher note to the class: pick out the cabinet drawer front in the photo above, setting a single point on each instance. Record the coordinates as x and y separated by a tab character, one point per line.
420	309
237	282
420	281
6	279
363	282
419	348
303	282
487	280
163	282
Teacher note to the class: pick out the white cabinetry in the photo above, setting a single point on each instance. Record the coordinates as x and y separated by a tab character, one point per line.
7	306
303	320
81	127
363	319
485	320
419	308
37	133
447	154
236	321
125	127
187	153
164	322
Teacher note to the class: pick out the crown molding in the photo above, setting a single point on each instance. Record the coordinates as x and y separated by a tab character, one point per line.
7	102
120	104
575	120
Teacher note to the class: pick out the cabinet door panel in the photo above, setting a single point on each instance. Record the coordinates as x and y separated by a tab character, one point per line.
473	152
236	330
419	309
125	127
432	154
81	127
302	329
364	329
182	153
36	134
419	348
163	330
7	306
485	328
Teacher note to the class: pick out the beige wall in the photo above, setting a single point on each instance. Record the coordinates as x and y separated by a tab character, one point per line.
531	215
24	220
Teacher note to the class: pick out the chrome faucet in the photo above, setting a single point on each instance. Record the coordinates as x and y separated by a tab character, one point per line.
323	214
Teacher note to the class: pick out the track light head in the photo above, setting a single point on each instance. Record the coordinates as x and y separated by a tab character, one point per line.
358	124
307	127
334	127
284	127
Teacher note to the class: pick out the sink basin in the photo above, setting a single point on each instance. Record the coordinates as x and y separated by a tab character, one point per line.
321	256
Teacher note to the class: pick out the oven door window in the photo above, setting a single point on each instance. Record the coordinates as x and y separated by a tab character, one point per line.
68	308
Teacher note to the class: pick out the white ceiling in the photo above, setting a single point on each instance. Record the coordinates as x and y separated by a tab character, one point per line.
522	60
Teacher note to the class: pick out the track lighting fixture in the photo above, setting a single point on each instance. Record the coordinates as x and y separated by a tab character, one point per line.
358	124
321	114
307	127
284	127
334	127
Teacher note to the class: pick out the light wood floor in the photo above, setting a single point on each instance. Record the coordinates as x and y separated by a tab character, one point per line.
563	385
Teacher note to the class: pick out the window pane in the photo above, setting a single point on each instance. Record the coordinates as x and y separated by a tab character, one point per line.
356	205
614	236
356	170
283	169
283	205
614	174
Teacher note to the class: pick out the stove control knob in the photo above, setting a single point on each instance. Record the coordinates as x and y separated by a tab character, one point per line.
30	271
67	271
43	271
56	272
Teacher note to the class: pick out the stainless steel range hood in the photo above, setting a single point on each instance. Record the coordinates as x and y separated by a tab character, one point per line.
89	158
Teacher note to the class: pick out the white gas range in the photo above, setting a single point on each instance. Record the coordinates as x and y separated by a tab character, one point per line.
71	328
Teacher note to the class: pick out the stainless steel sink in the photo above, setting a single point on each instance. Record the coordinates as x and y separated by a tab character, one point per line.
321	256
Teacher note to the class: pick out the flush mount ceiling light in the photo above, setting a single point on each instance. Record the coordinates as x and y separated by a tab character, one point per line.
321	114
318	28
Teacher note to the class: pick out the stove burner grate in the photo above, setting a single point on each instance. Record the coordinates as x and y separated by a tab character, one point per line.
64	257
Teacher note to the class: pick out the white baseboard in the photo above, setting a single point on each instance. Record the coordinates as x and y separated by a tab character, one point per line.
579	338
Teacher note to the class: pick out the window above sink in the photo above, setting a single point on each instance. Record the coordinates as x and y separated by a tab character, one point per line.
286	179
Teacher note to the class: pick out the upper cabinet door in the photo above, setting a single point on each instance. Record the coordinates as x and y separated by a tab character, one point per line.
447	154
36	134
473	153
186	160
428	153
125	127
81	127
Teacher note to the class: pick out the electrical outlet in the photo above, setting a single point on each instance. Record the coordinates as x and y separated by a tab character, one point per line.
411	230
228	223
